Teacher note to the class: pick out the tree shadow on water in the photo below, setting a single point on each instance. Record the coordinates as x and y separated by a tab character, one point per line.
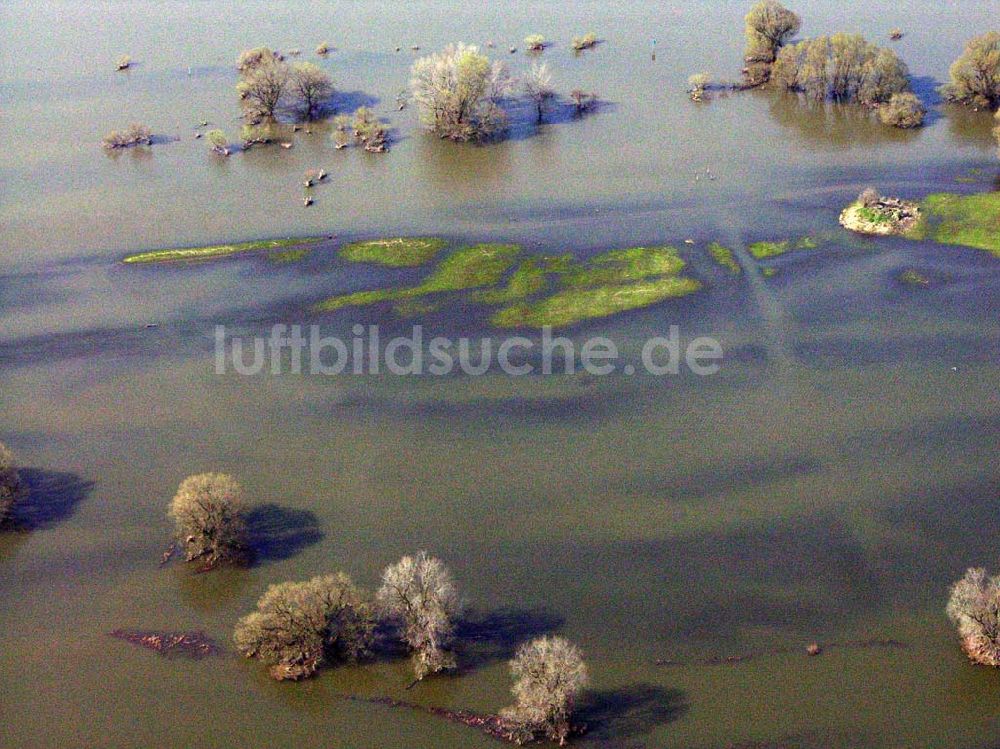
53	497
630	711
489	636
278	533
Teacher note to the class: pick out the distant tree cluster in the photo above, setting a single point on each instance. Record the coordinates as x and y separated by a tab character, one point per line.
974	609
268	85
534	42
580	43
769	25
208	511
134	135
299	626
12	488
365	128
975	75
458	93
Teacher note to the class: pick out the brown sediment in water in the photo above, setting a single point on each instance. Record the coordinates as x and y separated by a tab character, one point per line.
813	649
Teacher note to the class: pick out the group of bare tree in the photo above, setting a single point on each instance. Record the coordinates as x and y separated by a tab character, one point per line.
269	84
459	92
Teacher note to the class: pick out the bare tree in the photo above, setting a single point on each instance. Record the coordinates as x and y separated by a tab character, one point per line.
458	93
583	100
975	75
549	673
264	81
974	608
312	87
418	592
134	135
12	488
208	510
299	626
769	25
538	87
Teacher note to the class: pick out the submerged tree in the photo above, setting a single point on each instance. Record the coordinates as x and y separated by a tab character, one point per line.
312	87
697	84
534	42
902	110
208	510
975	75
974	608
537	84
134	135
769	25
580	43
419	593
458	93
583	100
549	673
218	141
12	488
299	626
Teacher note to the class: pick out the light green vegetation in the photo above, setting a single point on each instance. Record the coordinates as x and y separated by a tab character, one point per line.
573	305
768	272
724	257
216	251
913	278
761	250
397	252
468	268
542	290
970	220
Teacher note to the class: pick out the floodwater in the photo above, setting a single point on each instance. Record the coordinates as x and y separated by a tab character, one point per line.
825	486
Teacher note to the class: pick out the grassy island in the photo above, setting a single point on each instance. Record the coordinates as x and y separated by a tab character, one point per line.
398	252
969	220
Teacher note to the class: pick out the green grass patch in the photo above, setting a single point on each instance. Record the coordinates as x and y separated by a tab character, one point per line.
216	251
624	266
969	220
287	256
724	257
398	252
468	268
761	250
576	304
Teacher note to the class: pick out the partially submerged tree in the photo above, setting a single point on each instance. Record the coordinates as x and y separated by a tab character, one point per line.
313	88
300	625
549	673
218	142
419	593
537	85
843	67
975	75
903	111
580	43
124	63
12	488
208	510
134	135
974	609
534	42
769	25
458	93
697	84
264	80
323	49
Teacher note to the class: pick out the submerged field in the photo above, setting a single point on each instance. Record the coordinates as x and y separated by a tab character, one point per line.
693	534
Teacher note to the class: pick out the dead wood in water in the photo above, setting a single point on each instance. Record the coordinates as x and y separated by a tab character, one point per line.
187	644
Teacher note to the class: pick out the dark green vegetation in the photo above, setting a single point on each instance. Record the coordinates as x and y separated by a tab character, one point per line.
216	251
545	290
975	75
395	252
970	220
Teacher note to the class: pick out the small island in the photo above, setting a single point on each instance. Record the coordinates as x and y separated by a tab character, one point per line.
873	213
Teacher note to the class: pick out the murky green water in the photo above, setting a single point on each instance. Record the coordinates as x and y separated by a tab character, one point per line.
826	485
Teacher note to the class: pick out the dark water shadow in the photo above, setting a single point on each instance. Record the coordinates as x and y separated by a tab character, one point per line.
343	102
832	125
53	497
926	88
523	122
278	533
628	712
488	636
